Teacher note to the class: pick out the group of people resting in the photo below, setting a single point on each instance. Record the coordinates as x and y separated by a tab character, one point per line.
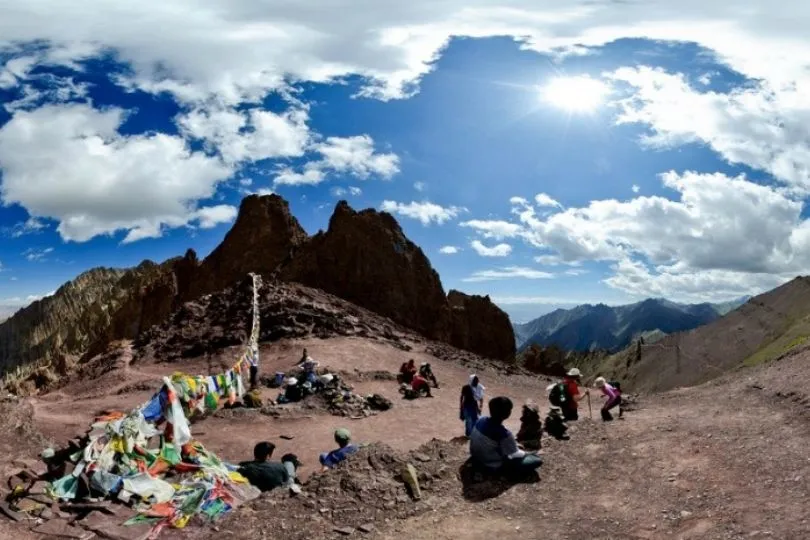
268	475
495	449
415	381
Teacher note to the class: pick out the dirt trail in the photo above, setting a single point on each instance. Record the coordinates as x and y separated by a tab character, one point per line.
721	461
726	460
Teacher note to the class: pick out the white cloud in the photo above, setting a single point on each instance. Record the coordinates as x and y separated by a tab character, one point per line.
543	199
211	216
449	250
494	229
636	279
36	255
722	237
342	192
354	156
264	191
309	177
137	184
509	272
31	225
759	125
499	250
518	201
419	186
635	188
245	182
426	212
251	135
198	51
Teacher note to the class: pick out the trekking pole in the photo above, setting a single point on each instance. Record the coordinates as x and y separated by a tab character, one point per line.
590	412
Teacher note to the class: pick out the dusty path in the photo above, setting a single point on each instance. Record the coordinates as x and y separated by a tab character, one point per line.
715	462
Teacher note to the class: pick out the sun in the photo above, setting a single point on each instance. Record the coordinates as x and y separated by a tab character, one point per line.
580	94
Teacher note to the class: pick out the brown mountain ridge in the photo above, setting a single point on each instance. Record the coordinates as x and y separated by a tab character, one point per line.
363	257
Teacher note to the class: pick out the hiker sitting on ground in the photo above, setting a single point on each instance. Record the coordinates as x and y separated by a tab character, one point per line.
531	427
267	475
407	371
478	391
420	385
494	447
294	391
613	396
309	366
343	438
427	372
566	395
469	410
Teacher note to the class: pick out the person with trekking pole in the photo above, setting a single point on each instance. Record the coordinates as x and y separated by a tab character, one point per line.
570	385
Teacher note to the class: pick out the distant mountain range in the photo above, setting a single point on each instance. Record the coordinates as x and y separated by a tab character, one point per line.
589	327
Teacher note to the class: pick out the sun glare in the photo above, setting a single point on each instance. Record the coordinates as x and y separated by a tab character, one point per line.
578	94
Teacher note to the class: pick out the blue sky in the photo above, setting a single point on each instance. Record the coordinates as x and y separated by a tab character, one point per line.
686	177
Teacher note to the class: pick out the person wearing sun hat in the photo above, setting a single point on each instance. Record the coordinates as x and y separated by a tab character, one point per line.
570	408
343	438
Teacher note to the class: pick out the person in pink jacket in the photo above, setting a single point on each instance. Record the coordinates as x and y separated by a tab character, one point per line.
613	398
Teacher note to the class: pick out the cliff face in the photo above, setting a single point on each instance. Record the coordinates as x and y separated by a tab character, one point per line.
363	257
65	324
478	325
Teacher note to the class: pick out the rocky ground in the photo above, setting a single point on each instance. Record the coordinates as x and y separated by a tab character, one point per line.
726	460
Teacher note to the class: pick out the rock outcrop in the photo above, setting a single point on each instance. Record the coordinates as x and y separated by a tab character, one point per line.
264	236
476	324
363	257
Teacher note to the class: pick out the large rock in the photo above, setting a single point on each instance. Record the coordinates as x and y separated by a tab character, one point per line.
264	236
480	326
365	258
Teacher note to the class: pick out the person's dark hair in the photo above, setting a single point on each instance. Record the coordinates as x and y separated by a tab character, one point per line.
500	408
467	393
292	458
263	450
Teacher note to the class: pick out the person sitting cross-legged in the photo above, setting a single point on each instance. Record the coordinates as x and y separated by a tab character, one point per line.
494	448
343	438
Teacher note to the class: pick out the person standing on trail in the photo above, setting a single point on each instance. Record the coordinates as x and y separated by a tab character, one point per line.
493	446
566	394
343	438
469	410
478	391
613	396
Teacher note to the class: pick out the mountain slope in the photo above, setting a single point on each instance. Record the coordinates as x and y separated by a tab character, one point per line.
764	328
589	327
363	257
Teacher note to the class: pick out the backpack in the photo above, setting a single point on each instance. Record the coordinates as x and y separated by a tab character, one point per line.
616	384
558	394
